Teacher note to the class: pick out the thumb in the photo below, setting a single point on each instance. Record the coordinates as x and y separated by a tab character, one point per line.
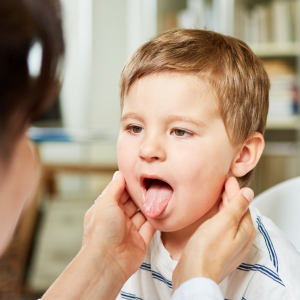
114	189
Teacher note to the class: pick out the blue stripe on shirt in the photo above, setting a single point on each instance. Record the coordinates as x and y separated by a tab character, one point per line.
129	296
156	275
262	269
268	241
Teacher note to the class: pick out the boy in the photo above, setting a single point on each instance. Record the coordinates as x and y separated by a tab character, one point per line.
194	107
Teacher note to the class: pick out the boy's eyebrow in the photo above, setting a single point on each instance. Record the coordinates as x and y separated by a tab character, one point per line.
186	119
131	116
168	119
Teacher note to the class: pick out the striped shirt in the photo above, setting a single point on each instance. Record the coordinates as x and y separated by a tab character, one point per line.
272	270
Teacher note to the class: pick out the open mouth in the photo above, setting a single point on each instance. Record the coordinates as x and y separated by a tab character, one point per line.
157	196
149	181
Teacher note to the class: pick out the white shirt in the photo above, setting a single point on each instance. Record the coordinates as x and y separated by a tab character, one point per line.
272	270
198	288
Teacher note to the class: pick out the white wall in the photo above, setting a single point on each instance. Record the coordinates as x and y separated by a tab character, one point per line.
119	27
141	23
109	55
75	94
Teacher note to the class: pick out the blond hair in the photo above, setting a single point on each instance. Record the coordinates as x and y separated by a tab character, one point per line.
234	72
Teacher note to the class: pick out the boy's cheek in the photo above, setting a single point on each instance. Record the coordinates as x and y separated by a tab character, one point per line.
126	166
123	152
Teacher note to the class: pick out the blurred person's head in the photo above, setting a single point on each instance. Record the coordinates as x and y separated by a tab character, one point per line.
194	108
23	96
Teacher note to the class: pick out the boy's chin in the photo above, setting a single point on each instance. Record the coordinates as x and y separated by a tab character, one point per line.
171	224
166	225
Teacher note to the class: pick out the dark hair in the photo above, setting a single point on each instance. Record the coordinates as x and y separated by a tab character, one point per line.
22	96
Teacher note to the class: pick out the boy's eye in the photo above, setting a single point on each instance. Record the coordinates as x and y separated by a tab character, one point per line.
181	132
135	129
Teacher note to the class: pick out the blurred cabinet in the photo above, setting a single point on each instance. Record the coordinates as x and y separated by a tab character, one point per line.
271	28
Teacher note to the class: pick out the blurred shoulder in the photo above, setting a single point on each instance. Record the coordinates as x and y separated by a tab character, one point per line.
276	257
271	271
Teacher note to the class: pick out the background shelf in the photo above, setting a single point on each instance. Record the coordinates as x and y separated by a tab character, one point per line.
276	50
289	122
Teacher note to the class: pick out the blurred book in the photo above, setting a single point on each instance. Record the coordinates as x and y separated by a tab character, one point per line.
74	135
284	96
270	22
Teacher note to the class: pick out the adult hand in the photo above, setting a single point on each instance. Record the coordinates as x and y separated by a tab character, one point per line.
221	243
116	236
116	228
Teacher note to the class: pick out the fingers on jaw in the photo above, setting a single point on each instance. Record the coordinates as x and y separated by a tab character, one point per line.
224	199
124	197
233	213
143	226
130	208
138	220
221	205
238	206
147	231
231	187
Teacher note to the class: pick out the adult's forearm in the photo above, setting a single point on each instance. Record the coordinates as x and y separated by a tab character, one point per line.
87	277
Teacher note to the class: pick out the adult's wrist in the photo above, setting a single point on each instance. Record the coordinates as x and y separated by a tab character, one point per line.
109	276
104	258
91	275
105	277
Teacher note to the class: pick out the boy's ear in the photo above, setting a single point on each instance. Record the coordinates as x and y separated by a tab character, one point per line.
248	155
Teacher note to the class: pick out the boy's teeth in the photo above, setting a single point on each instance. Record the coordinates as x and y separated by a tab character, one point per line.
157	198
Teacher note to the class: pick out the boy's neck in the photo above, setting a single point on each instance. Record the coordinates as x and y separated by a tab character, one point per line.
176	241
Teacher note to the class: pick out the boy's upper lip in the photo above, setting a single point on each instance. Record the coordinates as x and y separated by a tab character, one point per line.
144	176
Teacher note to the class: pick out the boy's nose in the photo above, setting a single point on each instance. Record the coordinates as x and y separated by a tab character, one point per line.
152	150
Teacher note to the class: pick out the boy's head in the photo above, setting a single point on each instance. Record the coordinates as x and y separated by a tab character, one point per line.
194	108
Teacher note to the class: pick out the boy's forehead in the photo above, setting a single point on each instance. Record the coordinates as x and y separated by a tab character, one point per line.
186	90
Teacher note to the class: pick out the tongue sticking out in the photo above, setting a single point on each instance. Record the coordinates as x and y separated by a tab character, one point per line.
157	198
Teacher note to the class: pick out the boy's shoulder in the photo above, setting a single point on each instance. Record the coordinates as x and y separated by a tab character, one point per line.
276	248
272	270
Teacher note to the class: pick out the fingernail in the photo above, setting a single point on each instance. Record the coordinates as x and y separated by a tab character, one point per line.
115	175
248	194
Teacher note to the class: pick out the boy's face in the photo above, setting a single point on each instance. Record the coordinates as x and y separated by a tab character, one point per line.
171	132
